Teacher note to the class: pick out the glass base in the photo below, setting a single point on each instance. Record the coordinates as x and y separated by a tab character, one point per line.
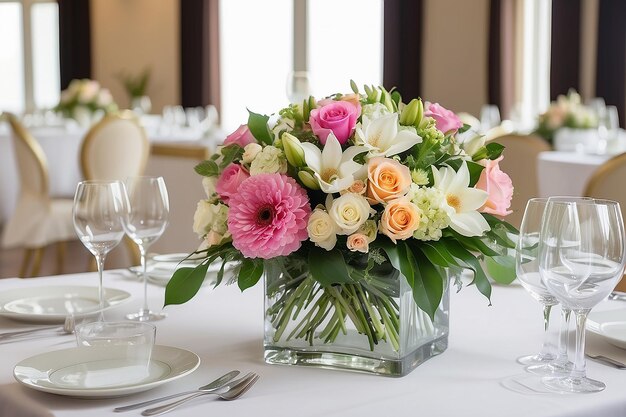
325	357
146	315
573	385
551	369
537	359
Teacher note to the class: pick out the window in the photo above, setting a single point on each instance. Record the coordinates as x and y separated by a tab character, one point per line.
29	55
343	42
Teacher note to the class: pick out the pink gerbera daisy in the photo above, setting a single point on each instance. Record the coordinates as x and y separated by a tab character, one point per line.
268	216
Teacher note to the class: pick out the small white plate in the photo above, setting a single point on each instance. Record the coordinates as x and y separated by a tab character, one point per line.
51	304
611	325
81	372
160	273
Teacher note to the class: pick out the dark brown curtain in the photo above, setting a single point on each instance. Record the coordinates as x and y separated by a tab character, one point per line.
74	40
199	53
565	51
500	56
402	47
611	55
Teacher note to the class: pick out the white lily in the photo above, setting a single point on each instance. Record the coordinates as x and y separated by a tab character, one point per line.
334	171
462	201
382	136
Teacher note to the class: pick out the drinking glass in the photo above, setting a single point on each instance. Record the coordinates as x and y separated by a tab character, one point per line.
144	224
298	87
546	362
99	207
581	259
489	117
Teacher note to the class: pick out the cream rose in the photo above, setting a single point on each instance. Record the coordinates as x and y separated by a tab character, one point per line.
270	160
208	183
369	229
349	212
250	152
400	219
358	242
387	179
322	229
210	217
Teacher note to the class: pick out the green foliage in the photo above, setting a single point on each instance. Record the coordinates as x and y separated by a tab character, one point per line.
257	123
135	85
328	267
250	273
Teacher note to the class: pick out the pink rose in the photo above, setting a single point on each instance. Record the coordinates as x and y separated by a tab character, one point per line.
230	180
241	137
499	187
445	120
338	117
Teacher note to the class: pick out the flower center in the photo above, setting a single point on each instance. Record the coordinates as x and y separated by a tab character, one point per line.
454	202
265	215
329	174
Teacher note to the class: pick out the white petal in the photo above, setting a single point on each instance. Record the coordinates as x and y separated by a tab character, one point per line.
331	155
348	169
403	141
383	130
471	199
443	178
351	152
335	186
469	224
312	156
461	179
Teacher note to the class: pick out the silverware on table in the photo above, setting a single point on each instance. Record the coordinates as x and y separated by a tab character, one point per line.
235	390
607	361
618	296
219	383
67	328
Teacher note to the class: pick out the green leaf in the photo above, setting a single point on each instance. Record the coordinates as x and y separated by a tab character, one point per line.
399	257
230	153
396	97
475	244
250	273
207	168
257	123
468	260
428	285
328	267
464	128
494	150
354	87
184	284
501	269
493	221
438	254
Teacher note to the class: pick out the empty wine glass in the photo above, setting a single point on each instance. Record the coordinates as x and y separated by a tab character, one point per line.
298	87
144	224
581	259
547	361
99	207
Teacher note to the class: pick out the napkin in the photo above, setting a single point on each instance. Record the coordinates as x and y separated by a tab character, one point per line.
15	402
596	345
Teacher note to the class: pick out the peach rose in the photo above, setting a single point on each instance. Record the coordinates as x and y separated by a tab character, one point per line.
388	179
499	187
357	187
358	242
400	219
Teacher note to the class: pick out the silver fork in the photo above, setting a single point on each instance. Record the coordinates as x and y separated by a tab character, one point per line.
67	328
233	392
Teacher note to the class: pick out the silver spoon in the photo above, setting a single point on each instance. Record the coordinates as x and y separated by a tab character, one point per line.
217	384
67	328
234	392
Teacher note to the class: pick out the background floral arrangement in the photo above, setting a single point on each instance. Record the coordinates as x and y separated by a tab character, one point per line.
566	111
82	99
340	188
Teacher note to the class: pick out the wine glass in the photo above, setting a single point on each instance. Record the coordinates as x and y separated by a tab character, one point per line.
298	87
581	259
546	362
144	224
489	117
99	207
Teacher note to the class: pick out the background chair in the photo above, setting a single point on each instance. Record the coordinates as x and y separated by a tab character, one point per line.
608	182
114	149
38	220
520	162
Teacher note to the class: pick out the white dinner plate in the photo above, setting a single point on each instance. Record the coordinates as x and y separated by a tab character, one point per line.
82	372
161	272
611	325
51	304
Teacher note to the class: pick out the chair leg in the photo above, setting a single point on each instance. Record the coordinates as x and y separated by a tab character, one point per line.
37	261
61	251
28	253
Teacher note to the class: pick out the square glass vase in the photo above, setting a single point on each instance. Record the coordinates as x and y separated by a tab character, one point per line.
372	325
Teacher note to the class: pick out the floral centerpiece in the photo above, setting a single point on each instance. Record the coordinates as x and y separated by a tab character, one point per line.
566	111
357	208
85	100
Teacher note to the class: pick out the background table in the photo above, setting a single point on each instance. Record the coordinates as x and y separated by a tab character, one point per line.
566	173
225	328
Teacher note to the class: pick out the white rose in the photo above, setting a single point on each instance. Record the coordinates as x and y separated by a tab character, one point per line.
88	91
270	160
104	98
322	229
349	212
374	111
369	229
208	183
203	218
250	151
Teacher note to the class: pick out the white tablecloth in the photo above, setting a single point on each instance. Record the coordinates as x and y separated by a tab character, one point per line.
225	327
566	173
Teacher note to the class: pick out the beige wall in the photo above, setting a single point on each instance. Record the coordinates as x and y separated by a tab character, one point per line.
455	53
131	35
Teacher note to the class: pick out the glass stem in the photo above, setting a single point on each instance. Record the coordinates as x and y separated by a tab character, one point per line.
100	264
144	274
564	335
579	371
547	348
